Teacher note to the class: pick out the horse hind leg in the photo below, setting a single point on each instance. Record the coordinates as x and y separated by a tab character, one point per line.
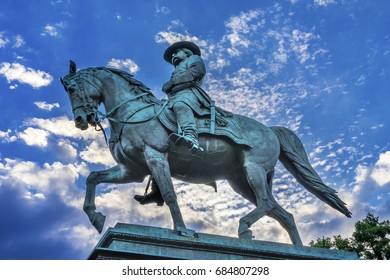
285	219
257	180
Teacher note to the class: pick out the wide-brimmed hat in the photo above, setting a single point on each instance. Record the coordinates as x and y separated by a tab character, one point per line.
180	45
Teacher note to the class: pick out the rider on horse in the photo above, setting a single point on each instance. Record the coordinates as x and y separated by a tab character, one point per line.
185	97
184	90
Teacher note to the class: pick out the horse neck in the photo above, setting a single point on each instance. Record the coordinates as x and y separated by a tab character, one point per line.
116	91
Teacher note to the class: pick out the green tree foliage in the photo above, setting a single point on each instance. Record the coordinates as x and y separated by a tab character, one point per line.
322	242
370	240
338	243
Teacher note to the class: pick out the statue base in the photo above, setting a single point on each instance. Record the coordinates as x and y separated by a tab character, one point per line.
130	242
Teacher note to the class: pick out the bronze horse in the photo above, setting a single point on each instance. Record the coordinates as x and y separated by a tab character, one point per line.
140	145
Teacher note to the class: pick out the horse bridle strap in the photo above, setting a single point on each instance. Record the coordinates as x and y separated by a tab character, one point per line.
123	103
136	111
86	104
127	121
118	135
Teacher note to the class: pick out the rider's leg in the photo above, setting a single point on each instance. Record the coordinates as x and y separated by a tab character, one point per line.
186	120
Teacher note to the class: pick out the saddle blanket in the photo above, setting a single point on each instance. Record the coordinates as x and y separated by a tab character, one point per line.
228	127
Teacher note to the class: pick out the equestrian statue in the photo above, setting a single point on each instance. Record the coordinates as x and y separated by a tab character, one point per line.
188	138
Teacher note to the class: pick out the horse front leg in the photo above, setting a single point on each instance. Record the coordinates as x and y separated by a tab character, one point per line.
117	174
159	167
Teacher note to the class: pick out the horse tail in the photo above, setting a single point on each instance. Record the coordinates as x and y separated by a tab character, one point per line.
294	158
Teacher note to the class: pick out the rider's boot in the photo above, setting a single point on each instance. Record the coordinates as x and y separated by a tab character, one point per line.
153	197
190	138
186	121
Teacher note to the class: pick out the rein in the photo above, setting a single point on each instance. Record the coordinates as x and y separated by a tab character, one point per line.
91	109
127	121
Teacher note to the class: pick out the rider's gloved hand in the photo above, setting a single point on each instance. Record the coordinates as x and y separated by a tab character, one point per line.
167	87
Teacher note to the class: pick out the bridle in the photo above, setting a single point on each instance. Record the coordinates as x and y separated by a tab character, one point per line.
86	102
91	109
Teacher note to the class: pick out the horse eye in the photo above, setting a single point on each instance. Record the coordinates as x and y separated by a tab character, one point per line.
71	90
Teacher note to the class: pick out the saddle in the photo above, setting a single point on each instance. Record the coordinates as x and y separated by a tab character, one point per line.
221	125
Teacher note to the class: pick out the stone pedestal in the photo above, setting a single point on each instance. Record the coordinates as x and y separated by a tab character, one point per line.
126	242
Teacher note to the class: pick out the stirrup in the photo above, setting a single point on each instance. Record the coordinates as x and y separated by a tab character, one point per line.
190	142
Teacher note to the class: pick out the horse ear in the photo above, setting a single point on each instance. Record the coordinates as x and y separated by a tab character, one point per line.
62	81
72	67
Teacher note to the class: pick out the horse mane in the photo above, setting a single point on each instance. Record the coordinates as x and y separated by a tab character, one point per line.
130	78
138	86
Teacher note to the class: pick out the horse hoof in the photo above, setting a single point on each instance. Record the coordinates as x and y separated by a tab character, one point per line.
247	234
98	221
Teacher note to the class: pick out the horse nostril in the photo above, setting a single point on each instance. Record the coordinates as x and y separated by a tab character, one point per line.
78	119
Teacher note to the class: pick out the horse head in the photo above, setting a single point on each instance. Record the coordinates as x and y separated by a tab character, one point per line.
83	88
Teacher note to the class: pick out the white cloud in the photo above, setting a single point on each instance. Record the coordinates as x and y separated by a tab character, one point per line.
19	41
172	37
381	171
62	130
377	175
324	2
25	75
40	184
375	127
370	188
162	9
6	137
50	30
96	153
239	29
124	64
175	24
361	80
33	196
35	137
293	44
238	92
300	44
79	236
46	106
3	40
62	126
241	23
53	30
31	178
68	151
219	63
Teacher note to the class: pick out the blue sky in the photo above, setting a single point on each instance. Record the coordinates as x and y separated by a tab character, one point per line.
318	67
